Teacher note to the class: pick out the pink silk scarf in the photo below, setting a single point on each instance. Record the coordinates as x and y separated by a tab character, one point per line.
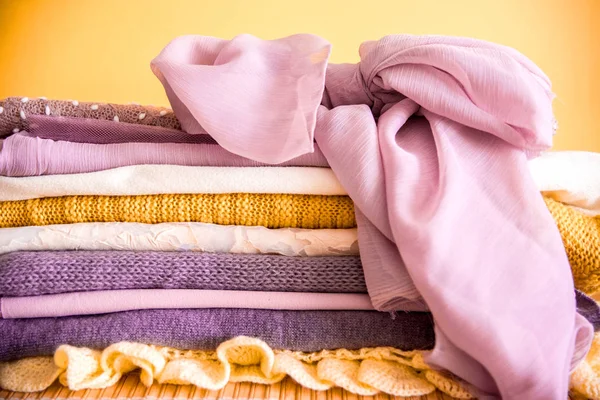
430	136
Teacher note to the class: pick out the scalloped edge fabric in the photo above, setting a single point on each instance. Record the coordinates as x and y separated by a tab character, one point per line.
367	371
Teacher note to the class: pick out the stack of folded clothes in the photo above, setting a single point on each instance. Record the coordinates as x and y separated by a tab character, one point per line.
128	243
170	242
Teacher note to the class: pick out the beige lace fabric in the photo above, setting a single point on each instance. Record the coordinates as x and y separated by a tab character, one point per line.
366	372
14	113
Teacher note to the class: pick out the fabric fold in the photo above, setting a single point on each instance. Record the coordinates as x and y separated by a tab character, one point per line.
181	236
571	177
249	209
174	179
430	136
33	273
22	155
367	371
204	329
297	62
109	301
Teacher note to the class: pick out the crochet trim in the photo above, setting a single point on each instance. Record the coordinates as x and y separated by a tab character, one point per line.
366	372
585	380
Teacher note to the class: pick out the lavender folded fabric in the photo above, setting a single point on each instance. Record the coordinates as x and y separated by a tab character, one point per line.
90	130
204	329
22	155
32	273
588	308
109	301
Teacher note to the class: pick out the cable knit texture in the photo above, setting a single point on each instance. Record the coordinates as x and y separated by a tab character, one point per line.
32	273
268	210
367	371
581	237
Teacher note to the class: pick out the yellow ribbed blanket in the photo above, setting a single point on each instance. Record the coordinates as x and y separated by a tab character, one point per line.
365	372
581	237
269	210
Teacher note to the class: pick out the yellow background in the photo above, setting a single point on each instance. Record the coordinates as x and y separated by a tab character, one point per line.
100	50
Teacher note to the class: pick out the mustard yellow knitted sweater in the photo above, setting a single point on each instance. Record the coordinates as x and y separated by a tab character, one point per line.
581	238
269	210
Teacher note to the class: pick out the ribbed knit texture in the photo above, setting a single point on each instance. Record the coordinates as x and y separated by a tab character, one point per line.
269	210
31	273
581	237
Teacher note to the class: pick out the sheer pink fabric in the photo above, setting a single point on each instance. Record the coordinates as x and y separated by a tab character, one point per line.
22	155
429	136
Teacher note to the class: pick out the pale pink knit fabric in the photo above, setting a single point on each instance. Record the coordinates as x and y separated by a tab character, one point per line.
430	137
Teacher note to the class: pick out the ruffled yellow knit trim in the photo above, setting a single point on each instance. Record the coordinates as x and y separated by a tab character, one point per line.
365	372
585	380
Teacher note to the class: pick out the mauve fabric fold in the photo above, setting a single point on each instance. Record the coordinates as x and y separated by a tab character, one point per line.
33	273
588	308
22	155
205	329
430	136
100	131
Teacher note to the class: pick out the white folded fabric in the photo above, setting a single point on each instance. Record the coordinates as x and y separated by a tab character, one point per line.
181	236
172	179
571	177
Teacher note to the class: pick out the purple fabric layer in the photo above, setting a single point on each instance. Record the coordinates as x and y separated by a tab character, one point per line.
22	155
205	329
430	136
88	130
110	301
33	273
